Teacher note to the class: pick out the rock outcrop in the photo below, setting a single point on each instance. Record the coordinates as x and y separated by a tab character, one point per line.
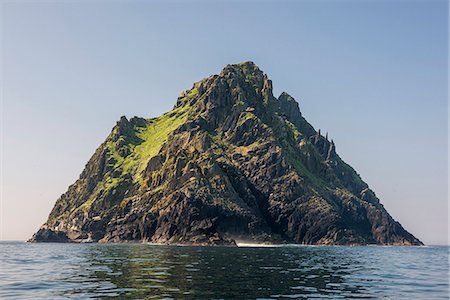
230	162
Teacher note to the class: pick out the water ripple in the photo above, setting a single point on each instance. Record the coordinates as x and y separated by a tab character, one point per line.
61	271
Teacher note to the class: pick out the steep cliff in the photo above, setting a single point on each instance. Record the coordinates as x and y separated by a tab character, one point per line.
229	162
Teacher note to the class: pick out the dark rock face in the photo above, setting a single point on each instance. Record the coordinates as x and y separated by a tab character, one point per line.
49	235
229	163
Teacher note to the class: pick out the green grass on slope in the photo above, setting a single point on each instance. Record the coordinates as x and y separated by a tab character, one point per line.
244	116
287	134
154	135
192	93
293	129
151	138
102	187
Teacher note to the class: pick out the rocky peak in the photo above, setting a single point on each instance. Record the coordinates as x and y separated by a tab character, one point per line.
248	75
242	82
244	71
288	106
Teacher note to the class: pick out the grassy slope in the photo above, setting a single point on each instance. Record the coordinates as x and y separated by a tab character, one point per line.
151	138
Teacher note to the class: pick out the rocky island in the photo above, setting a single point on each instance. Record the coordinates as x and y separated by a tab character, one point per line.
230	162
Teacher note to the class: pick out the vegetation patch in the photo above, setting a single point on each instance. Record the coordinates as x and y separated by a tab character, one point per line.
154	135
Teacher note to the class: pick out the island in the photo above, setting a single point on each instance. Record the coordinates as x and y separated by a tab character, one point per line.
229	163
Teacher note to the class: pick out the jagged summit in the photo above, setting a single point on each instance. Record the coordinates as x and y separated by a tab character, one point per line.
229	162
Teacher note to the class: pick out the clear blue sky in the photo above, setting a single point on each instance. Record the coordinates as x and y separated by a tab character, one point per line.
371	73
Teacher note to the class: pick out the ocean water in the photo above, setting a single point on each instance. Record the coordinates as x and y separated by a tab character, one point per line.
137	271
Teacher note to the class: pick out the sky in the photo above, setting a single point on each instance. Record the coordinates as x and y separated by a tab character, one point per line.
373	74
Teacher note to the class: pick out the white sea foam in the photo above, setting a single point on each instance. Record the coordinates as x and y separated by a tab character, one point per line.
243	244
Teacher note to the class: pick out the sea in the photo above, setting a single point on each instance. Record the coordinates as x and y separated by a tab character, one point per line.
145	271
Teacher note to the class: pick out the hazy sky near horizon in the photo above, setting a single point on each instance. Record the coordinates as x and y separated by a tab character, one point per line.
373	74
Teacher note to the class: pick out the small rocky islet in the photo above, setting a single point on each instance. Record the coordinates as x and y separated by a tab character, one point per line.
230	162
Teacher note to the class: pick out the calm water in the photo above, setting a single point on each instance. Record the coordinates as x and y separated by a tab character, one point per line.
52	271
